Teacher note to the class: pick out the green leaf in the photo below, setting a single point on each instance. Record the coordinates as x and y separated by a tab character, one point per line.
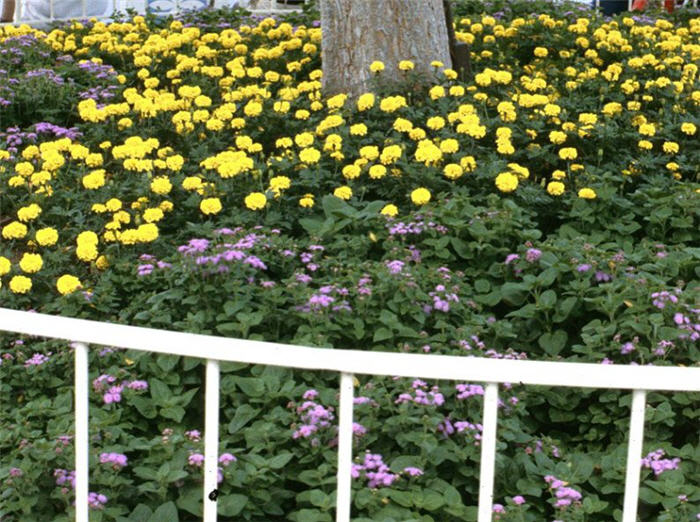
160	393
231	505
144	406
554	342
190	500
251	386
145	473
141	513
320	499
279	461
564	308
482	286
462	248
165	513
649	496
382	334
167	362
175	413
513	293
244	414
433	500
402	498
548	299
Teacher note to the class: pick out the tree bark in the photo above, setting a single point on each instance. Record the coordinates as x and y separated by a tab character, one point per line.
359	32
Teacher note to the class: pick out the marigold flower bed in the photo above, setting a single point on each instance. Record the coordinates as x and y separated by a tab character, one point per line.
189	174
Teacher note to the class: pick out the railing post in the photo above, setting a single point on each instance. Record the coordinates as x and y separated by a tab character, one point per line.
488	452
634	456
211	440
82	452
344	491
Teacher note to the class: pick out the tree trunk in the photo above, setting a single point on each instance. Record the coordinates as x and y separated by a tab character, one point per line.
358	32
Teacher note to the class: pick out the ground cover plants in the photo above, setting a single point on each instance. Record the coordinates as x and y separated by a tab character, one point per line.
188	174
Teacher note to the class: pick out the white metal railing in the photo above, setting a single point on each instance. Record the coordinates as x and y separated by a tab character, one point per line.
347	363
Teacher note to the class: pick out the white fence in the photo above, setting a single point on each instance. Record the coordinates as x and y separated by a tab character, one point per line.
346	362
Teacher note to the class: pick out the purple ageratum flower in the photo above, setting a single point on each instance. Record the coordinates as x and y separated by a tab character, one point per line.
498	508
395	267
518	500
583	267
137	385
310	394
193	435
196	460
468	390
96	500
358	429
15	472
117	460
144	270
627	348
412	471
510	258
36	360
303	278
226	458
255	262
602	277
532	255
114	394
658	465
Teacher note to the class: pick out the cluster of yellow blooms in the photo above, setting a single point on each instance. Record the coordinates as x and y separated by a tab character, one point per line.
244	110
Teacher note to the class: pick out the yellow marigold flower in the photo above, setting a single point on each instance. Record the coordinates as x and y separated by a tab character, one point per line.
86	252
377	171
672	166
280	183
406	65
670	147
94	180
309	155
20	284
558	174
29	212
587	193
255	201
88	237
192	183
152	215
435	123
420	196
568	153
449	146
390	210
468	163
14	230
390	154
24	168
688	128
304	139
506	182
365	101
541	52
102	263
416	134
343	192
392	103
555	188
16	181
5	265
210	206
376	67
307	201
351	171
31	263
438	91
453	171
450	74
557	137
67	284
358	129
161	185
252	108
302	114
147	233
645	144
402	125
647	129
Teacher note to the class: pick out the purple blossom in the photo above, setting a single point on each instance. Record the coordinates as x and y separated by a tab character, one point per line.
498	508
195	459
36	360
395	267
137	385
117	460
15	472
583	267
657	464
358	429
532	255
413	472
226	458
518	500
468	390
510	258
193	435
96	500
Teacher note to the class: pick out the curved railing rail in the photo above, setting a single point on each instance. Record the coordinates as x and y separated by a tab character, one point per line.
346	362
